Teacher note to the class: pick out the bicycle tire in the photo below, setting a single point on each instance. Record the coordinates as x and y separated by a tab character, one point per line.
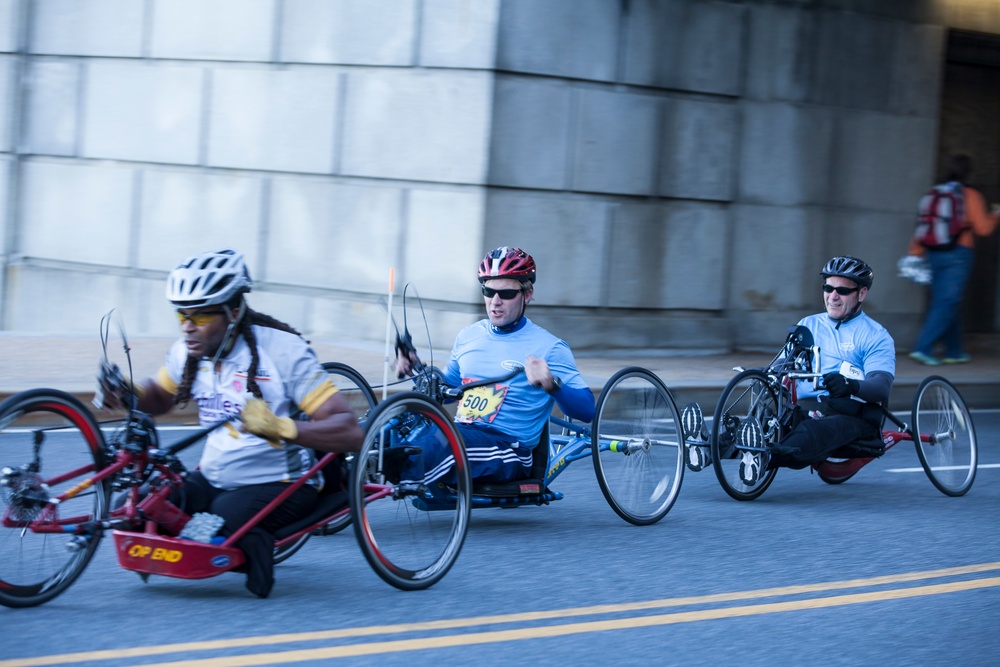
830	479
361	398
749	394
353	387
944	436
51	429
637	446
410	537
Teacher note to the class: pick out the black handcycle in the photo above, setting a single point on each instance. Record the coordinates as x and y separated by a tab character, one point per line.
756	410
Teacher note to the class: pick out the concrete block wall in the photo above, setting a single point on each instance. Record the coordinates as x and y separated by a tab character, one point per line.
680	169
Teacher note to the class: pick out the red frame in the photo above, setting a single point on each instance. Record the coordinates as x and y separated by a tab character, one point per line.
843	468
155	549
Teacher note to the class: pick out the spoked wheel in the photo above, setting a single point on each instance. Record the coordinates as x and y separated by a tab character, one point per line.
944	435
361	398
410	533
742	467
353	387
49	443
637	446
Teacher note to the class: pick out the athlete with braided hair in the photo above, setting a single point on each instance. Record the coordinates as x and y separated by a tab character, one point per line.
501	424
236	363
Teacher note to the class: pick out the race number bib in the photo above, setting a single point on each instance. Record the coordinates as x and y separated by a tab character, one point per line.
481	404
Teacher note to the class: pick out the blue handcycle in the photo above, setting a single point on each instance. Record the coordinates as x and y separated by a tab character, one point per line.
635	444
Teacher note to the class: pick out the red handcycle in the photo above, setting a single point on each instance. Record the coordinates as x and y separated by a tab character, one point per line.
67	480
941	428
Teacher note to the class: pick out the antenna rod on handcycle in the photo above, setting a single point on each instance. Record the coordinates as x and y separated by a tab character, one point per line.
388	330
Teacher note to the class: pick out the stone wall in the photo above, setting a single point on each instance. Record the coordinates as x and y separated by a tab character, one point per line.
680	169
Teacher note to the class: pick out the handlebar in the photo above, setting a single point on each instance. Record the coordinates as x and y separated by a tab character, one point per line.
184	443
455	392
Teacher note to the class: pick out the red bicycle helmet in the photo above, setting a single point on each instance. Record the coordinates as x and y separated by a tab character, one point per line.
507	262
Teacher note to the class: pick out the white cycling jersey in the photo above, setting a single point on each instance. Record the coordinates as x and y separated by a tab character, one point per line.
289	376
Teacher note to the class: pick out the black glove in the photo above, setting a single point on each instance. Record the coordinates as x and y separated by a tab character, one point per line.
839	386
406	350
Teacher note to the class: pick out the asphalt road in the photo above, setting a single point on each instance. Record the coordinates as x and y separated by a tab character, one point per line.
881	569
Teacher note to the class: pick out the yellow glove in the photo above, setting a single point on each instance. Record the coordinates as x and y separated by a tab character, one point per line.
259	420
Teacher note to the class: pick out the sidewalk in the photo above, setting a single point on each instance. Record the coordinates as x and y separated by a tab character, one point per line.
69	363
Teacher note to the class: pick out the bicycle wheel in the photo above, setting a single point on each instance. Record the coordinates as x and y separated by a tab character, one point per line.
353	387
742	469
944	435
361	398
637	446
49	444
281	554
409	533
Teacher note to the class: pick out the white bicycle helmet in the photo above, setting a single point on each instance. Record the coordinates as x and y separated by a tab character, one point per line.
208	279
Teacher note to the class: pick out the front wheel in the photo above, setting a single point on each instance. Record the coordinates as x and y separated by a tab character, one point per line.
411	532
637	446
741	468
945	437
49	444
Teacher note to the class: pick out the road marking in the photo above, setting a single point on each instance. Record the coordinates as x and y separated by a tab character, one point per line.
979	466
396	646
616	625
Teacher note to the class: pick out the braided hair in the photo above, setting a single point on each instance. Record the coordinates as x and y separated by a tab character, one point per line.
245	329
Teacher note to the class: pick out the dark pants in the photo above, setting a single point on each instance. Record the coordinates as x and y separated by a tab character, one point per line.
493	457
237	507
813	440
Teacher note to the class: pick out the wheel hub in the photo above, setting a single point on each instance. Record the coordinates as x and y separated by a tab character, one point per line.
24	493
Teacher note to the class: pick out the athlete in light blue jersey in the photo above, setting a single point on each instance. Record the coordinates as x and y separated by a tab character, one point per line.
501	423
858	363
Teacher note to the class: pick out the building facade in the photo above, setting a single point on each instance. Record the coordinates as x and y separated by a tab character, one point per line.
680	169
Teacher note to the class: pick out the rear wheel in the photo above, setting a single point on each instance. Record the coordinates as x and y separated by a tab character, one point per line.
748	396
49	444
637	446
361	398
353	387
945	437
411	534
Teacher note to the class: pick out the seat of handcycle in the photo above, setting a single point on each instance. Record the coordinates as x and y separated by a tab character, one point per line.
863	448
860	449
533	485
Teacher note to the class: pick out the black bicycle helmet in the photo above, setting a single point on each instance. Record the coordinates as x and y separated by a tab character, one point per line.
853	268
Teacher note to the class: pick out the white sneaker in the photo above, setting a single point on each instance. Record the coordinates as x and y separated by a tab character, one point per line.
750	468
699	457
751	436
693	423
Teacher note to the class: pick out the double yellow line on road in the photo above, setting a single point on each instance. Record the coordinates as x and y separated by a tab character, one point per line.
543	631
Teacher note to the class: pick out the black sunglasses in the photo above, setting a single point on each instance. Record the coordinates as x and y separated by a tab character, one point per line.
842	291
505	294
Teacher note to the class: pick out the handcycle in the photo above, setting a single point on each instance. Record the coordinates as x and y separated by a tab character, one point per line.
941	428
58	474
634	442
